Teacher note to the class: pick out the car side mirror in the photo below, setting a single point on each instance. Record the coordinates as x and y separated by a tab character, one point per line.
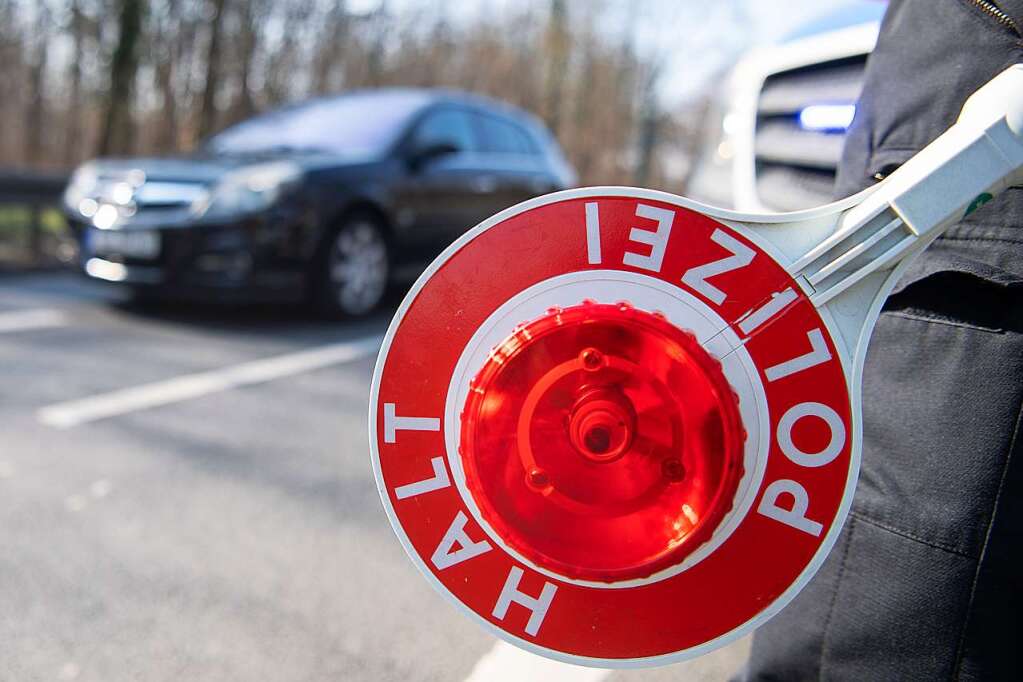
422	155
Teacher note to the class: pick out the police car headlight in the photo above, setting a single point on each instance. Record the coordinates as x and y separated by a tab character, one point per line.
248	190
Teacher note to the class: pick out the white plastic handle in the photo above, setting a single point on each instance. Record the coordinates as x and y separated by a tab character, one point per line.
973	160
966	166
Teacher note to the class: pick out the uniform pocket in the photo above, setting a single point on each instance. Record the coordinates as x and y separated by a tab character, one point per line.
884	162
946	285
943	383
959	299
897	611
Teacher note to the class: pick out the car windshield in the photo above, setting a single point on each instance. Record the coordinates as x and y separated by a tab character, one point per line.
362	124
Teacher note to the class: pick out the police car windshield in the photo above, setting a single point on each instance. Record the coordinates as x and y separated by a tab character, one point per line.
360	124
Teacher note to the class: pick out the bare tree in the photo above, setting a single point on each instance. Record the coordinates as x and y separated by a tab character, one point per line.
158	78
377	25
74	126
330	51
285	65
117	135
11	86
557	47
165	32
250	18
649	116
208	110
35	113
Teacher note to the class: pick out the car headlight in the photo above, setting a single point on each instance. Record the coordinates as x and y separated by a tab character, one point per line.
81	184
248	189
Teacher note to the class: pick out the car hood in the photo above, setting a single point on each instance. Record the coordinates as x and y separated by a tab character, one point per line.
184	169
164	190
205	169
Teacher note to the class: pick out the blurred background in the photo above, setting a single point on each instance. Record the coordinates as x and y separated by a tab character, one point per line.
185	487
624	86
621	84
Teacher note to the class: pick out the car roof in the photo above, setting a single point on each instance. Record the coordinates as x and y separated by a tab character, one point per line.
420	98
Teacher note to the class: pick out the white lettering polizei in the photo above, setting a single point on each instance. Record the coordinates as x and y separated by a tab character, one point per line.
393	423
592	233
811	459
696	278
443	557
537	606
794	516
657	240
755	318
439	481
818	355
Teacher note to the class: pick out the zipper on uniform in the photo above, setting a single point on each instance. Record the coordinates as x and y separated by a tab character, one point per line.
993	11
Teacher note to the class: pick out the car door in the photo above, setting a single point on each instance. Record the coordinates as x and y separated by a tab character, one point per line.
438	197
514	161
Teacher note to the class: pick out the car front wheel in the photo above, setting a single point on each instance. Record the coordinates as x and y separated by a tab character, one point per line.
355	268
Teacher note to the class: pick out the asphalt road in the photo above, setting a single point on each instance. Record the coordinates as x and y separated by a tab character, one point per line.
224	527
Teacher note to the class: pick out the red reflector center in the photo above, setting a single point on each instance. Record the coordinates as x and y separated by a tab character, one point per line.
602	443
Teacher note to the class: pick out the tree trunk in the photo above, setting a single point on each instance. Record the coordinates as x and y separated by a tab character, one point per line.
35	113
208	112
557	65
331	48
244	104
648	126
75	129
185	59
648	134
117	134
166	50
167	135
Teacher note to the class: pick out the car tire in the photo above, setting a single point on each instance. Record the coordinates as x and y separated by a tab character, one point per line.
354	268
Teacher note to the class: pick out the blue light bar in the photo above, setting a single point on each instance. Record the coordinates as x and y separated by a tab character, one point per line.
827	117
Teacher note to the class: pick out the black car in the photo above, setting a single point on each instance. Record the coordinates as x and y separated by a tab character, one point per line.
324	200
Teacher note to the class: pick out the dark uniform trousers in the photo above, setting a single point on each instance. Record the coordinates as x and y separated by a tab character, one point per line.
926	579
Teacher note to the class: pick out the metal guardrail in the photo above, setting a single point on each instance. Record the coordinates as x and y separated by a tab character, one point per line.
32	232
44	188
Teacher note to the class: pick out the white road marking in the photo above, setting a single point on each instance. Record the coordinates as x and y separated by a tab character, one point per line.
507	663
75	412
25	320
69	671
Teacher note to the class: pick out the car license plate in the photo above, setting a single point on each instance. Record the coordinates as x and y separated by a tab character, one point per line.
126	243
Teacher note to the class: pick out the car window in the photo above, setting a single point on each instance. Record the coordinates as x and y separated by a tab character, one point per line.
446	126
501	136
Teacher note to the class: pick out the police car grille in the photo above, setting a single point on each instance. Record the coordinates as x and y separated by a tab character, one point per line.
795	166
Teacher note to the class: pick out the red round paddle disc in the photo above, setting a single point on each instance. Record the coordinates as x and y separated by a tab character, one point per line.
613	429
625	454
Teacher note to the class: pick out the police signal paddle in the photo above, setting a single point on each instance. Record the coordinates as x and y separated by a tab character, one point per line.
620	428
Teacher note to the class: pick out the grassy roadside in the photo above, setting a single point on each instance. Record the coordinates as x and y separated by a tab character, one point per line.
53	245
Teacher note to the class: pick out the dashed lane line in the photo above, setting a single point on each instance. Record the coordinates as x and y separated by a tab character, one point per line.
27	320
82	411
